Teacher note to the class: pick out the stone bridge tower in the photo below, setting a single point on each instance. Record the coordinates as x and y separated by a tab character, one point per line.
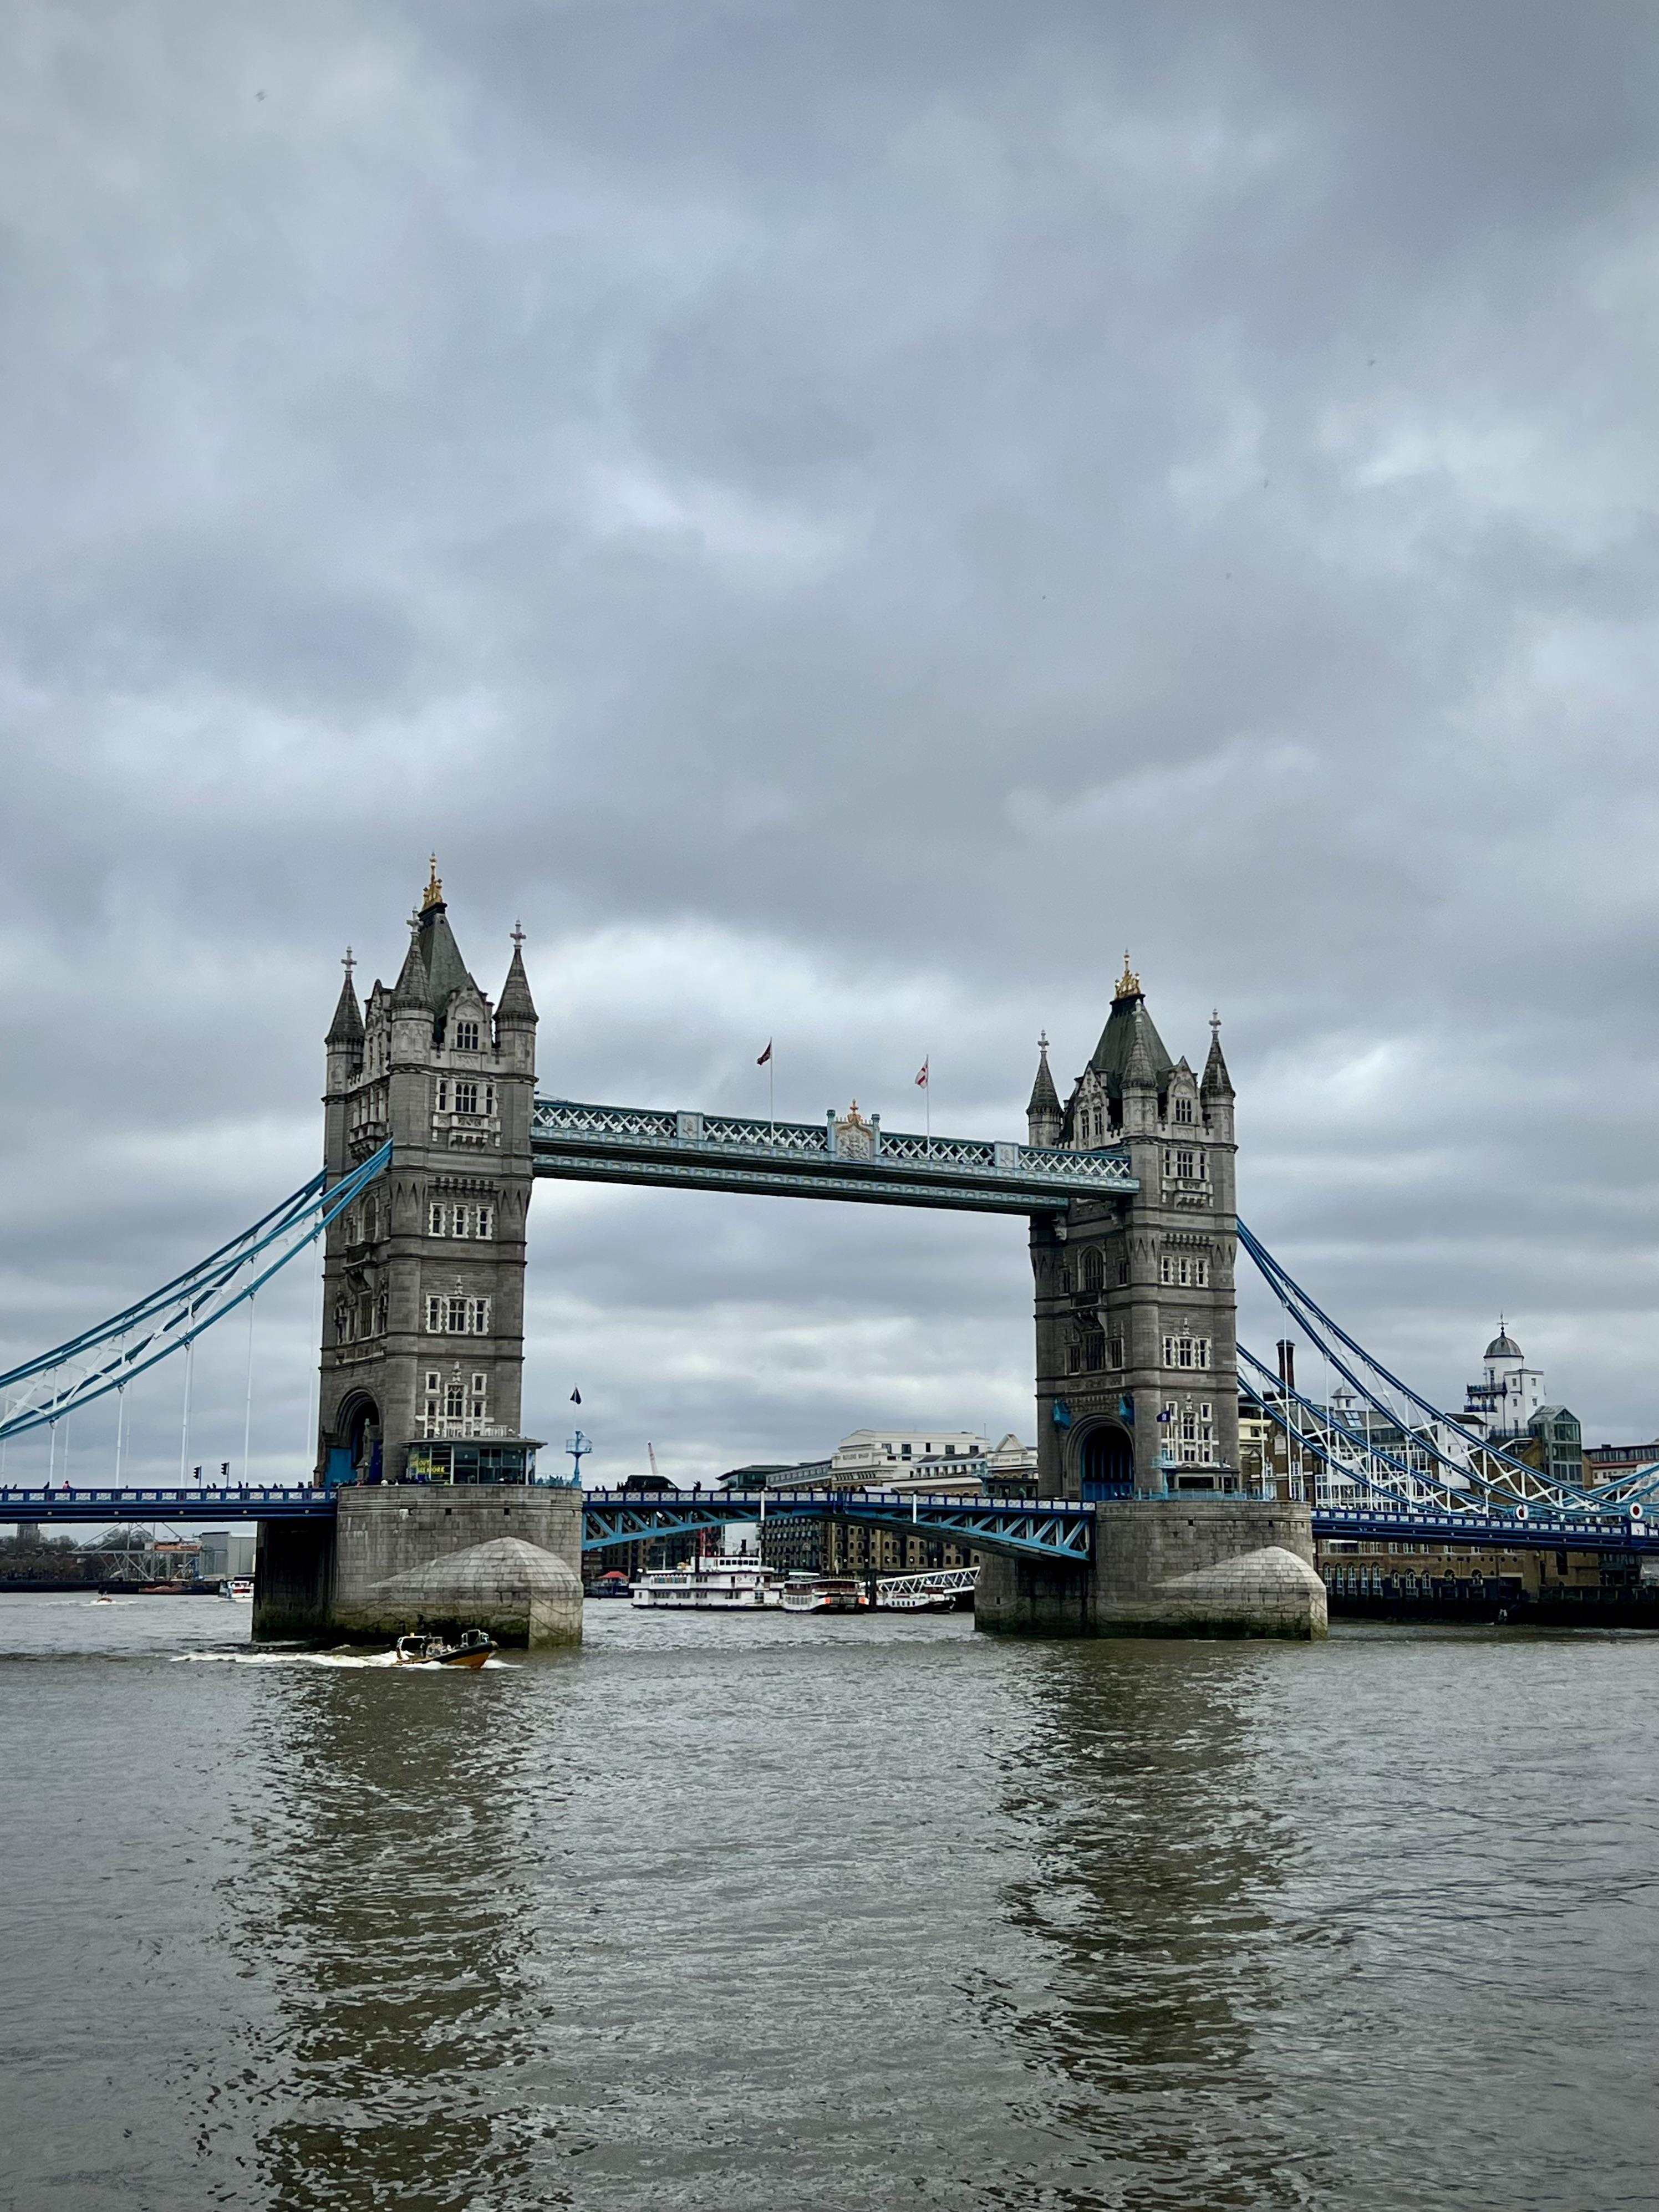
422	1353
1136	1357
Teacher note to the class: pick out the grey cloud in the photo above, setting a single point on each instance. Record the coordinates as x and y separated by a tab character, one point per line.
859	512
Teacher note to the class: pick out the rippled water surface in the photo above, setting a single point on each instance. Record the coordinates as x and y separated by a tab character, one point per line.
823	1914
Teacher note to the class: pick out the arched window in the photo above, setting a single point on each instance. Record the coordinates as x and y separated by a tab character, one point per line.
1094	1269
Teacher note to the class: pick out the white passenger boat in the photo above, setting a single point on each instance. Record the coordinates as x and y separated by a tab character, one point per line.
722	1582
823	1594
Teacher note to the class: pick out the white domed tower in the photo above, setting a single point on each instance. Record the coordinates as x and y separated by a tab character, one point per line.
1508	1392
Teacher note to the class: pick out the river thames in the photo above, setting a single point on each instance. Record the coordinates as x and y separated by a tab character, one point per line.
823	1913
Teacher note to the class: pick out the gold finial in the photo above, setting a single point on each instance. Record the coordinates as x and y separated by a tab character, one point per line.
434	890
1128	982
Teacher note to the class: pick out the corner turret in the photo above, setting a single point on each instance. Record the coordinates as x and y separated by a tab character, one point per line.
516	1014
1042	1113
1216	1091
346	1029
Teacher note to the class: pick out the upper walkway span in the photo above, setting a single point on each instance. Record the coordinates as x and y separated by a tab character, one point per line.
840	1158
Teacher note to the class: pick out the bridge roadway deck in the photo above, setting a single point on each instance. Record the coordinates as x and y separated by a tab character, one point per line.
804	1159
1054	1528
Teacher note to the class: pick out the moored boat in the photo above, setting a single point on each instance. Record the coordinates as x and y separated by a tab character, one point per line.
808	1593
720	1581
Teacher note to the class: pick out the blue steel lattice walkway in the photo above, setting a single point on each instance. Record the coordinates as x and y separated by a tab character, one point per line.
1029	1528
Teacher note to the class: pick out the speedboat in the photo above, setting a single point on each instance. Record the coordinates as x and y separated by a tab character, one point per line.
470	1649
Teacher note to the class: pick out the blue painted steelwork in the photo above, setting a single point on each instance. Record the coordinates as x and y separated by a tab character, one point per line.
1490	1531
1488	1476
799	1159
1030	1529
107	1357
236	1502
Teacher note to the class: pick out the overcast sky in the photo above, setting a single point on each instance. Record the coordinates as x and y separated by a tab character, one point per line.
841	517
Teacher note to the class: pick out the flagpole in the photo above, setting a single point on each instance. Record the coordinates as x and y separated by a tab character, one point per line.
771	1097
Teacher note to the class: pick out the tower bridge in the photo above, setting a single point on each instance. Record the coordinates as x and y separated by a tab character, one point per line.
434	1136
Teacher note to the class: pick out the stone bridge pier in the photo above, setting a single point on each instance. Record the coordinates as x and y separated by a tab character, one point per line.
1167	1566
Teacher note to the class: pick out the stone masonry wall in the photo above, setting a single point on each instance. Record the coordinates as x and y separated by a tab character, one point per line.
388	1531
1177	1566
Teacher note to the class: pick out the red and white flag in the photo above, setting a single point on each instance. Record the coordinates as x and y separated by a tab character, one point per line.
922	1079
766	1055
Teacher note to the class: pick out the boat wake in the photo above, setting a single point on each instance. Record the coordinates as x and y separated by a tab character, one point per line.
350	1661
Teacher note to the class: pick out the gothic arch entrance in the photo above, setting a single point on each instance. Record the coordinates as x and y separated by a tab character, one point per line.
1106	1460
355	1454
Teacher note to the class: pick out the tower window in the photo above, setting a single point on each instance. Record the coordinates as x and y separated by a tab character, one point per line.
466	1037
1189	1272
456	1317
466	1097
443	1219
1186	1352
1183	1110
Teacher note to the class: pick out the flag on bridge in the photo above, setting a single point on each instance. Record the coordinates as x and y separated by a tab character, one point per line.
766	1055
921	1077
575	1397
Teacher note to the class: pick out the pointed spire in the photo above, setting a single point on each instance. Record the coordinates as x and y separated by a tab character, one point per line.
516	1005
1044	1101
347	1026
1130	1028
440	957
1217	1081
411	981
1141	1070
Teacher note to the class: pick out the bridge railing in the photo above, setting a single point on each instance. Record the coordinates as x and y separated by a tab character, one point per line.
648	1130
